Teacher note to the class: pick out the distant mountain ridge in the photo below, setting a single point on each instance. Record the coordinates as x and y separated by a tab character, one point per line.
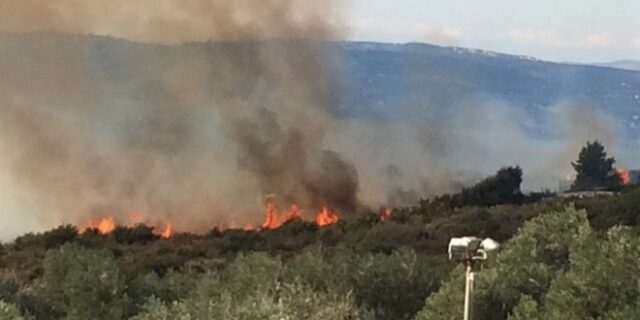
393	81
390	79
633	65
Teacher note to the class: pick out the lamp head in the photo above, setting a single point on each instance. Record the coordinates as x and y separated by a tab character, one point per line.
470	248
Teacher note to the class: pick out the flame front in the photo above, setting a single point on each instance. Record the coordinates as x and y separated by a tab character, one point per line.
273	219
166	230
385	213
624	174
326	217
104	225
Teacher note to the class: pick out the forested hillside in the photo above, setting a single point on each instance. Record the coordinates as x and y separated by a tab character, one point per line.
560	256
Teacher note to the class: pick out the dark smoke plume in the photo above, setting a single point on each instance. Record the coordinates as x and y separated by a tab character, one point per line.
199	134
211	106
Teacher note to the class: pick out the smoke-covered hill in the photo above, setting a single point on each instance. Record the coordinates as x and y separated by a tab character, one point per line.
94	124
394	80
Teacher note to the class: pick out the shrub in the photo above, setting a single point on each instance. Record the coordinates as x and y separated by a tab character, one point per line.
47	240
141	234
83	283
9	311
527	265
502	188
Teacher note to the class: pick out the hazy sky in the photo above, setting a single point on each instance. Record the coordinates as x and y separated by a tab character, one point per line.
561	30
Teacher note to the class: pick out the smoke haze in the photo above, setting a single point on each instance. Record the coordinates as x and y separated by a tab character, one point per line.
199	136
177	21
200	133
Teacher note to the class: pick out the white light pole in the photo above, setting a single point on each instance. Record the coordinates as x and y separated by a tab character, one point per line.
470	250
468	291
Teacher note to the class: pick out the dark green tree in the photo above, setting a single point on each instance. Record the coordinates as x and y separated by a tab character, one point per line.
502	188
594	169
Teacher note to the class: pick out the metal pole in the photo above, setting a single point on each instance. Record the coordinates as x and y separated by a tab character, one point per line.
468	292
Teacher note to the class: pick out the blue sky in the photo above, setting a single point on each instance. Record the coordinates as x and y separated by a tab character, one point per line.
560	30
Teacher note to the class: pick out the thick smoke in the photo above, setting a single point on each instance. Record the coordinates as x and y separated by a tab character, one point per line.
402	161
202	132
177	21
199	134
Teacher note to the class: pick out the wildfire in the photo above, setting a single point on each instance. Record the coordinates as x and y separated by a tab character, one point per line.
624	175
326	217
106	225
385	213
274	219
166	230
103	225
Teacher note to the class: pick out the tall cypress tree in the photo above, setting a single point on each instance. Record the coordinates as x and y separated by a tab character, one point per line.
594	169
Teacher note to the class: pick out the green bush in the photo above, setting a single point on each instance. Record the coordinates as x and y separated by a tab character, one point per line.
604	277
527	265
47	240
83	283
394	285
9	311
140	234
289	301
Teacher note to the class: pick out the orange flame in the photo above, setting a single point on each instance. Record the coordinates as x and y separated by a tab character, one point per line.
385	213
624	175
270	217
273	219
166	230
103	225
326	217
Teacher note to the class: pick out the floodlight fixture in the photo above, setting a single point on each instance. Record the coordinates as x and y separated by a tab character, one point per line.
470	251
